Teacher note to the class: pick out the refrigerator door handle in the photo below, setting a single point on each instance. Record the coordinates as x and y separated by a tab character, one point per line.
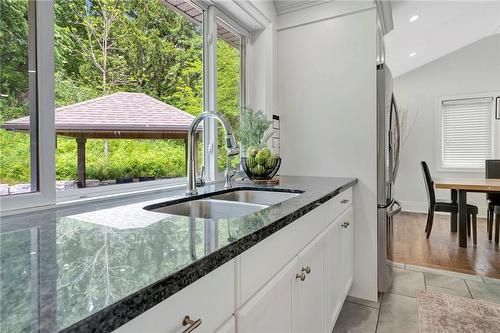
395	211
396	144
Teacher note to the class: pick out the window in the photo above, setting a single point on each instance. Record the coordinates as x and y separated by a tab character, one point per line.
129	81
229	82
467	132
18	98
122	81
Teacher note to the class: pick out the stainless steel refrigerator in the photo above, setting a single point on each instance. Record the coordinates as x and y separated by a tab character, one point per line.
388	150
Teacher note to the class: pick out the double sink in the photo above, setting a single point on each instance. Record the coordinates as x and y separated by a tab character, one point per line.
234	204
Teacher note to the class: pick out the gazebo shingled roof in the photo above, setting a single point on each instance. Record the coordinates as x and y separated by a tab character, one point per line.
121	115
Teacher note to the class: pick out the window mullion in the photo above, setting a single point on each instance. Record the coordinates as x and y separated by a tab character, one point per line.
210	91
46	98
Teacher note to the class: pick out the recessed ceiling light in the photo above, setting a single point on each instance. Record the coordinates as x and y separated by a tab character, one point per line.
412	54
414	18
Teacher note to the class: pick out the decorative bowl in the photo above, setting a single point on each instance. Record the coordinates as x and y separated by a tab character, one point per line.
264	171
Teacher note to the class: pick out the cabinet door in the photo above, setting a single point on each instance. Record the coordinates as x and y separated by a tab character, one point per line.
334	275
347	249
228	327
309	307
270	310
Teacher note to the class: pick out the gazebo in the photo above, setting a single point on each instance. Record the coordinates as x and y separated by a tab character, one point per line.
121	115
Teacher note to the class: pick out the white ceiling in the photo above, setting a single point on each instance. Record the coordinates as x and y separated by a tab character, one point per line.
287	6
442	27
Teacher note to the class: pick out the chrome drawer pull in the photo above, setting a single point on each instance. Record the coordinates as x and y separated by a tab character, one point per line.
344	201
193	324
306	269
301	276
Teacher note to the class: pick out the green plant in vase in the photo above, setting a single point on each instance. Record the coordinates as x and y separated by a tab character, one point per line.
259	162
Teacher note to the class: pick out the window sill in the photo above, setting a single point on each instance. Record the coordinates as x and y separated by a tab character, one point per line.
76	197
117	190
461	170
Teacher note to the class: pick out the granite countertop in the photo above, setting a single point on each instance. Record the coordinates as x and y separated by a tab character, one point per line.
94	266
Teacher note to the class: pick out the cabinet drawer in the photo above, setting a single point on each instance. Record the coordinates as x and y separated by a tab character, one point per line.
340	203
210	299
260	263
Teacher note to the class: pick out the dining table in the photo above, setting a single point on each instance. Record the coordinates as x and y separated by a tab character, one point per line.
459	188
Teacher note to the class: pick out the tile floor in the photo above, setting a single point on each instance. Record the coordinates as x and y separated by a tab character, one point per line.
396	311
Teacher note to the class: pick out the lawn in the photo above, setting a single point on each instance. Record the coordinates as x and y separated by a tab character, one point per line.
127	158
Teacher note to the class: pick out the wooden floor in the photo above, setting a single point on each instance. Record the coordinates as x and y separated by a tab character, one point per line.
441	250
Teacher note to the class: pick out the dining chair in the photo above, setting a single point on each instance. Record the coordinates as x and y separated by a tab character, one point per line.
492	170
446	207
496	210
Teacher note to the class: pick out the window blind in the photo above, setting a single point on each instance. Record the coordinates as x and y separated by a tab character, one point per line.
466	132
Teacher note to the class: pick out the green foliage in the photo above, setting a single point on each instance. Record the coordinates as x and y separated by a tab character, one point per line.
228	92
68	91
13	50
253	127
127	158
106	46
14	157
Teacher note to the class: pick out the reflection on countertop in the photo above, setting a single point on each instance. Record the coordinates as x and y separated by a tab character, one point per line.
95	266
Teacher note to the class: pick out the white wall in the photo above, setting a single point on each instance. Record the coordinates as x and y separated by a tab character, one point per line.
262	49
327	104
259	18
472	69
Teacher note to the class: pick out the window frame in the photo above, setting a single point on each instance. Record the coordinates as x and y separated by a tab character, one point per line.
210	128
495	131
45	108
47	194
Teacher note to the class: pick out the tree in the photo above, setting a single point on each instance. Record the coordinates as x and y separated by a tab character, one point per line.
14	59
105	46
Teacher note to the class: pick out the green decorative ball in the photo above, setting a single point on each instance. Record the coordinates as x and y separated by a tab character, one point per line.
251	162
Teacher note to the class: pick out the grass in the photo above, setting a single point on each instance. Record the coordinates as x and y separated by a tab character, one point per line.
127	158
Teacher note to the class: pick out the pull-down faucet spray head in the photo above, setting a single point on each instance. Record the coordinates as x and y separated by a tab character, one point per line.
232	147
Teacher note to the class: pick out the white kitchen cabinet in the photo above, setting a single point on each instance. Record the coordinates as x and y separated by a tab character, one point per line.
309	300
270	310
209	299
294	281
228	327
347	249
306	295
260	263
334	287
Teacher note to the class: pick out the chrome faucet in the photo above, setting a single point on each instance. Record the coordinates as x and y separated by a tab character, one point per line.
232	148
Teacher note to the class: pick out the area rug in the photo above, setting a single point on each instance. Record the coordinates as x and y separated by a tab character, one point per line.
440	313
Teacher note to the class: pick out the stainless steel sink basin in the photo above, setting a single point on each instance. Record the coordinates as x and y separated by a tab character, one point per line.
210	209
268	198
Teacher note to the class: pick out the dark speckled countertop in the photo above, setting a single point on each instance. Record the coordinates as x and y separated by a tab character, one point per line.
94	266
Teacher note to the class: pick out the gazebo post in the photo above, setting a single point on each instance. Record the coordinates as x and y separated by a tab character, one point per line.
80	148
186	152
196	152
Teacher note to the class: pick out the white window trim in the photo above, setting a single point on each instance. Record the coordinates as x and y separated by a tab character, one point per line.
47	194
215	13
439	131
